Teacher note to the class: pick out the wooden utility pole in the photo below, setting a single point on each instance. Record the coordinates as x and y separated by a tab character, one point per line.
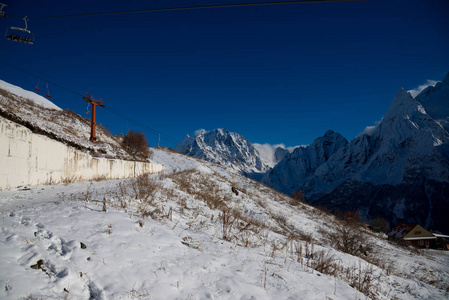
93	122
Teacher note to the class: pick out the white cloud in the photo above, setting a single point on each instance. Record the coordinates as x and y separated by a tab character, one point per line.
267	152
369	129
419	89
200	131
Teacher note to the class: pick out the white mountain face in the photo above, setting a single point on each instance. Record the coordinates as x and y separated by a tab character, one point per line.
225	148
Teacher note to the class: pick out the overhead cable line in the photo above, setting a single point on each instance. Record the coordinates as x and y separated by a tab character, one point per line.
121	115
39	77
189	8
144	126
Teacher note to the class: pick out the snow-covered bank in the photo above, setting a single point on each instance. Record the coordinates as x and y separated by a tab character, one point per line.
39	100
191	239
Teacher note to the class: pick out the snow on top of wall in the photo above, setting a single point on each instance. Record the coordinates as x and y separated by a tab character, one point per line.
39	100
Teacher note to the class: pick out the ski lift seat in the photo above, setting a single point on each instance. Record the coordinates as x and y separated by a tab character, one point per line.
22	35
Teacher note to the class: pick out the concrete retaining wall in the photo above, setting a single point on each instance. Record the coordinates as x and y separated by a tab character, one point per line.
31	159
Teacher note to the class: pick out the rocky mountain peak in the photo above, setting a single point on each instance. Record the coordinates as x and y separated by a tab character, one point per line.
224	147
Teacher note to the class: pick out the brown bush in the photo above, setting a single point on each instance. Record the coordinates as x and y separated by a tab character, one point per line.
352	218
144	188
380	225
350	239
136	144
297	198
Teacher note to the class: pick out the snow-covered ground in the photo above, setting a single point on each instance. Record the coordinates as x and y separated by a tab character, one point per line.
192	239
39	100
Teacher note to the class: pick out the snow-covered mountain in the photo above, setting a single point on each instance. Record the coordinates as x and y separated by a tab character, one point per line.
225	148
400	170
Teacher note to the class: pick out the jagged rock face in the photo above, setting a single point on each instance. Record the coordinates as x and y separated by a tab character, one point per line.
400	170
297	167
435	100
224	147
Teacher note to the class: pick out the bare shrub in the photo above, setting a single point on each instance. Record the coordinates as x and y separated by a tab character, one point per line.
261	202
352	218
144	188
280	219
361	279
200	186
136	144
70	178
122	193
380	225
297	198
349	239
325	262
100	178
227	221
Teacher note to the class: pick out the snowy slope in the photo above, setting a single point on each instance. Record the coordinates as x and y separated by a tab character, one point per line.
175	245
39	100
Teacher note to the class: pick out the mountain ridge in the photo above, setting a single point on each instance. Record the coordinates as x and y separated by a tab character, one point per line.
224	147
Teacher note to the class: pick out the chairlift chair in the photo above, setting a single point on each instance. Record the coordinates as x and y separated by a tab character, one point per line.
48	92
21	35
37	86
2	13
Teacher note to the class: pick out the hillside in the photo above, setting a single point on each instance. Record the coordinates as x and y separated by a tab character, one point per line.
43	117
183	235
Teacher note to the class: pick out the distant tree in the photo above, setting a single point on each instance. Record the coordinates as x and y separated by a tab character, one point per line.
136	144
297	197
380	225
352	218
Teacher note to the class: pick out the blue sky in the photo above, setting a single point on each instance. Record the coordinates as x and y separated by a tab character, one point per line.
275	74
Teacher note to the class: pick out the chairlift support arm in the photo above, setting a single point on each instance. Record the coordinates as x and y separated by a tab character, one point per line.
2	13
93	122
